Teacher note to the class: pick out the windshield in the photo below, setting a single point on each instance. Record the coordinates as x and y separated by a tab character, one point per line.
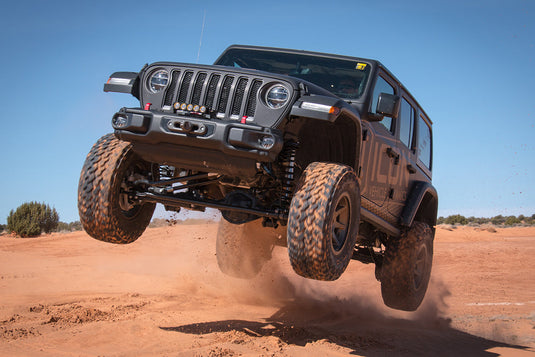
345	78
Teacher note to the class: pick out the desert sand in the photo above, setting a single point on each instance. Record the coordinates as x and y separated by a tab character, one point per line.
163	295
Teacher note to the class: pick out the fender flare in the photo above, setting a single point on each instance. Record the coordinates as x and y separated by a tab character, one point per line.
421	205
323	108
326	108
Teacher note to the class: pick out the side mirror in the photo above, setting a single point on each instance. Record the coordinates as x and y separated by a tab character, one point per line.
388	105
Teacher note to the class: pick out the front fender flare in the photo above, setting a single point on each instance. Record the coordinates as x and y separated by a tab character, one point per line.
322	108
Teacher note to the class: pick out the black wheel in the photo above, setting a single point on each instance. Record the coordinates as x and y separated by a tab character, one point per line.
106	210
243	249
323	221
406	268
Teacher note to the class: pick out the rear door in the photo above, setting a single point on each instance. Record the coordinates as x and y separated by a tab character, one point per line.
415	152
405	169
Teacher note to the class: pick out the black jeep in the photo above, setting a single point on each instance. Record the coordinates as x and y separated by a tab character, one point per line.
332	148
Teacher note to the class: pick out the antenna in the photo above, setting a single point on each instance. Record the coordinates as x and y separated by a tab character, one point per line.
200	40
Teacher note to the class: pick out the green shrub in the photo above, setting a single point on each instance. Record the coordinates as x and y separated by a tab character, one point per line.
31	219
498	220
69	227
512	220
456	219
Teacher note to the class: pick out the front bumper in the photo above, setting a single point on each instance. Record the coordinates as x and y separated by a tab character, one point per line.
214	145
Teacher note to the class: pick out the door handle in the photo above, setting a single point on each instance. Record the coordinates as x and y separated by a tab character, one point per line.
391	153
411	169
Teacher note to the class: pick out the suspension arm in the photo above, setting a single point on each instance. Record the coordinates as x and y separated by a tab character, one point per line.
186	202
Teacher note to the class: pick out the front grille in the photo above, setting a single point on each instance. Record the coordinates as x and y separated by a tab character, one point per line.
226	95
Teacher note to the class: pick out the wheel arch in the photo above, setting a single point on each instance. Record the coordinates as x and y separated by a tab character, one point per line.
333	135
422	205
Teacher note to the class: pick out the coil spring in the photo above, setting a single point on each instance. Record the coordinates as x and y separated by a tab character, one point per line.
288	170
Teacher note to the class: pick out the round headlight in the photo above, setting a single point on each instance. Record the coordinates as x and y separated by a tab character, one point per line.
158	81
277	96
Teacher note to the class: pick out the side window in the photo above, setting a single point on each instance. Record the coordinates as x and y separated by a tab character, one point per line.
382	86
406	123
424	142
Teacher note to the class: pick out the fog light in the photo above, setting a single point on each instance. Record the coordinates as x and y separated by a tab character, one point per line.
267	142
119	122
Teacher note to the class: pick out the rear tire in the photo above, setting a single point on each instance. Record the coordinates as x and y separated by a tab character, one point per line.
406	268
106	211
323	221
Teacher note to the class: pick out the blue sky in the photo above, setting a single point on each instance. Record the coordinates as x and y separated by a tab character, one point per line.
470	64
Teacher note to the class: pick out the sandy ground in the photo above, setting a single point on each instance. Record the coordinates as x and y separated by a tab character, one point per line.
163	295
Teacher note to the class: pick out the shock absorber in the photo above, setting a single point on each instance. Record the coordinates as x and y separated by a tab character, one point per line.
288	172
166	172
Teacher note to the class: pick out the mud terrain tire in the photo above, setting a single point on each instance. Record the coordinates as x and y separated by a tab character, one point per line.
323	221
407	268
101	193
243	249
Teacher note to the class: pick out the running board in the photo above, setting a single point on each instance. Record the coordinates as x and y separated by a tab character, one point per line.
379	223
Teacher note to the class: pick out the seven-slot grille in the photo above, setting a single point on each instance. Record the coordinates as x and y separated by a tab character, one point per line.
227	95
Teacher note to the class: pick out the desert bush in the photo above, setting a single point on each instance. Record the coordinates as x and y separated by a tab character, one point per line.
31	219
69	227
497	220
512	220
456	219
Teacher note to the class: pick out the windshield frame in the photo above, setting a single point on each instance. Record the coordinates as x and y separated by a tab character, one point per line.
330	72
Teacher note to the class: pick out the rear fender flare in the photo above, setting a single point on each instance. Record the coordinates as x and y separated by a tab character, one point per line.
422	205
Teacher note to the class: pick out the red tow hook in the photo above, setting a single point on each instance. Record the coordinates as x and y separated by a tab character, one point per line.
147	106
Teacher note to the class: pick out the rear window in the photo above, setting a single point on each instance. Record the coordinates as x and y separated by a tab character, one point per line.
424	142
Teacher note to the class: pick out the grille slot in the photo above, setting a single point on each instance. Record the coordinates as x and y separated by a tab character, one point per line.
238	96
197	89
183	94
225	94
251	100
212	86
170	95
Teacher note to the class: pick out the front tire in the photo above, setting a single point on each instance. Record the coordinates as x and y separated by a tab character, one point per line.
323	221
406	268
104	203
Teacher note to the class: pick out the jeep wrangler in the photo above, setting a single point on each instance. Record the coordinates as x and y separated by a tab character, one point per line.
334	149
